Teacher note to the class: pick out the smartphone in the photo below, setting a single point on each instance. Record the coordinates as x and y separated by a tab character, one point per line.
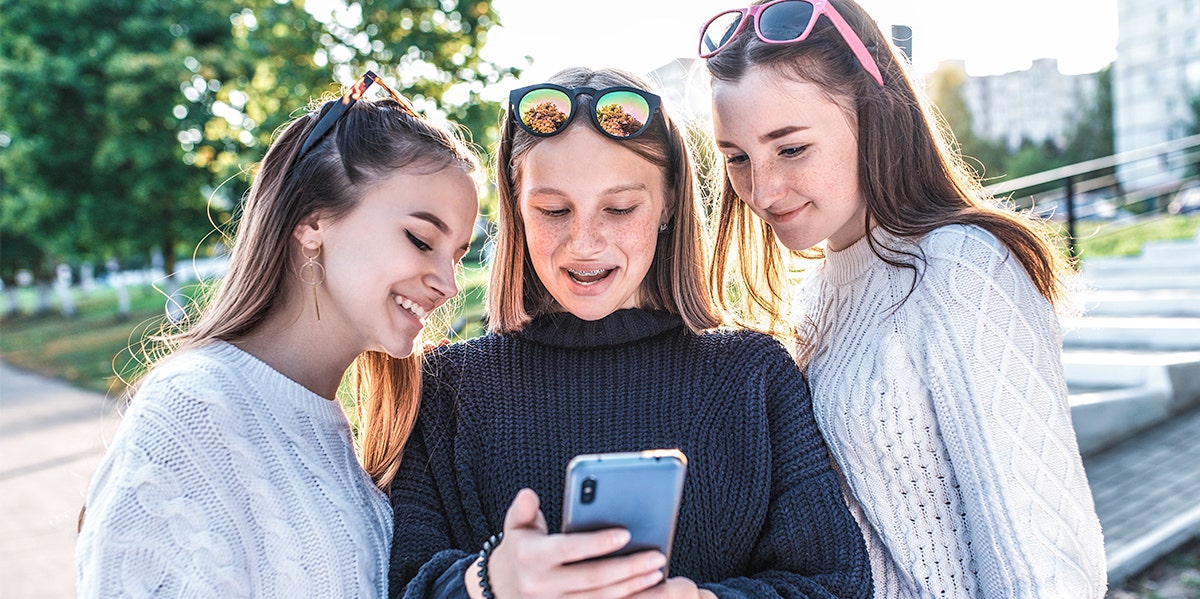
637	491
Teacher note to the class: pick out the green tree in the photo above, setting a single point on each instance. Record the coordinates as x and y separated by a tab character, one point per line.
123	118
1092	135
428	49
95	113
989	158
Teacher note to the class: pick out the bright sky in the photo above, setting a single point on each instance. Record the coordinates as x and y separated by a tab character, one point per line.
641	35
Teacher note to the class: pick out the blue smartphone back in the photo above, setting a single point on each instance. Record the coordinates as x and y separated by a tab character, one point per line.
638	491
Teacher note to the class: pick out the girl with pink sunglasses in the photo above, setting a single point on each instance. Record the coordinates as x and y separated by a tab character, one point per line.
927	322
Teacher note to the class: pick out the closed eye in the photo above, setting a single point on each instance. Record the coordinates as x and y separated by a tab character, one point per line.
555	212
793	151
421	245
621	210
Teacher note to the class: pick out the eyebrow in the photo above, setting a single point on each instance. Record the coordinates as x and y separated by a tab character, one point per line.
433	220
543	190
780	132
767	137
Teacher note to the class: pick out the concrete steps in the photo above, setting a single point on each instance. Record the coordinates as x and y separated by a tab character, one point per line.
1144	302
1132	363
1133	359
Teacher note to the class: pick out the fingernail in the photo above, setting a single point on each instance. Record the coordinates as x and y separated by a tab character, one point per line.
653	577
621	538
656	560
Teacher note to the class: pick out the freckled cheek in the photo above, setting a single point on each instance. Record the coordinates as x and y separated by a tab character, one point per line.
543	241
636	239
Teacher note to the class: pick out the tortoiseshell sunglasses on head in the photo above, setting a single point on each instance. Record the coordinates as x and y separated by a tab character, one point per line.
353	95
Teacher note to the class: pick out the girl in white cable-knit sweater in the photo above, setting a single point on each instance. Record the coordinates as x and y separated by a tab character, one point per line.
928	329
234	473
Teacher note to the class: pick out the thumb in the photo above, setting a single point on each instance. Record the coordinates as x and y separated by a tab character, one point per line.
524	512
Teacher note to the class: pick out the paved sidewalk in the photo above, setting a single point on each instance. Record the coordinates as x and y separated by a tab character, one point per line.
52	436
1147	493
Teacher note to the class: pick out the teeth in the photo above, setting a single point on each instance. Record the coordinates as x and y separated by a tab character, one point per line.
586	273
411	306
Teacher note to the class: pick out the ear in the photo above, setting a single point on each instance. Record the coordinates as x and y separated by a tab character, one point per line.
310	232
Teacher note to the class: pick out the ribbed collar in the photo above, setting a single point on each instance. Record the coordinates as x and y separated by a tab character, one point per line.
846	266
563	329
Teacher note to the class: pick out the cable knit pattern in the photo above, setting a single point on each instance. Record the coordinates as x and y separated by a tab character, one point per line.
947	412
762	512
227	479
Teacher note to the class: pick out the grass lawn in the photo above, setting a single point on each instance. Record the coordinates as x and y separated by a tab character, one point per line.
88	350
1126	239
96	351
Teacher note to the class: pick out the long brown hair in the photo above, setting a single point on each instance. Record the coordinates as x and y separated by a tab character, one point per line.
675	281
912	177
371	141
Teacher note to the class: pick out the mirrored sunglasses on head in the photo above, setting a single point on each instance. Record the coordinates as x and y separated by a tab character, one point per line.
546	109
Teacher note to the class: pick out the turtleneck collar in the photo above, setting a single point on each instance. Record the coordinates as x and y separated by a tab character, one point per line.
563	329
847	265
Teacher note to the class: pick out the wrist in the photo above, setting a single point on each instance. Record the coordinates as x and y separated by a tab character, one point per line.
482	589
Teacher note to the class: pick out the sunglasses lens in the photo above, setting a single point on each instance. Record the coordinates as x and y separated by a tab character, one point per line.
785	21
719	31
544	110
622	113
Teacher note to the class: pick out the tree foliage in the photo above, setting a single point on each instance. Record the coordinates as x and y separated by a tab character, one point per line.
121	119
987	157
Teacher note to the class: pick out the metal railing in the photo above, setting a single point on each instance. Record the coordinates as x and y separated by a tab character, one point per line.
1134	185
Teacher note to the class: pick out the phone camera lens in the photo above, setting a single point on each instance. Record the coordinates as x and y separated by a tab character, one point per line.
587	491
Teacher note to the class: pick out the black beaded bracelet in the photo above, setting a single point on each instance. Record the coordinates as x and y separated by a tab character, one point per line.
485	554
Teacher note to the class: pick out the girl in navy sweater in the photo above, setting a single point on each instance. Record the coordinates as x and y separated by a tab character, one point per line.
601	339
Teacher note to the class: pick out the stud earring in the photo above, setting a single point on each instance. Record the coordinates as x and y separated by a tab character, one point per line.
662	228
312	273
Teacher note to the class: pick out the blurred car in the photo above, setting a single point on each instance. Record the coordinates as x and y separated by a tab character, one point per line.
1186	200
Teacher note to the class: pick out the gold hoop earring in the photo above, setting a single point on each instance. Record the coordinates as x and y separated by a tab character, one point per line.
312	273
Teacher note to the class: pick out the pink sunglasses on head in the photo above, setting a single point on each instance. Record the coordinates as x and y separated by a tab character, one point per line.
782	22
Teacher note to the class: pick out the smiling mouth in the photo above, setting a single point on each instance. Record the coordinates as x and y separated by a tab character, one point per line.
786	214
589	277
411	306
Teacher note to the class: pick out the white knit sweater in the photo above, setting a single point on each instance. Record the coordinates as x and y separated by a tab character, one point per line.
947	413
227	479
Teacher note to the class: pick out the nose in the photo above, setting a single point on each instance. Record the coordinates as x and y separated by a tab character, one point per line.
585	237
766	188
442	280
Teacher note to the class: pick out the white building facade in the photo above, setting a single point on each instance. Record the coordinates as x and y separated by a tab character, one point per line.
1156	76
1038	104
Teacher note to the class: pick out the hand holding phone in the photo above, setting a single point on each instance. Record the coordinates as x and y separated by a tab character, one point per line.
637	491
531	562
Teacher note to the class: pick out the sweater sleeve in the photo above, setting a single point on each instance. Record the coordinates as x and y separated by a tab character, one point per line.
811	546
991	347
159	510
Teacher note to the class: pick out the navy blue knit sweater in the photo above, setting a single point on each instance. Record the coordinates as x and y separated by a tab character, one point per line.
762	512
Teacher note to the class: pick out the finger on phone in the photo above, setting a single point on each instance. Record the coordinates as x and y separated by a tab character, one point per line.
573	547
618	576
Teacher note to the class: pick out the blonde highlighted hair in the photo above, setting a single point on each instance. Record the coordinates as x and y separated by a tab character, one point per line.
675	281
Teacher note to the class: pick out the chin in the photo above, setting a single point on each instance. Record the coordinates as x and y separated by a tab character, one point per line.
398	350
589	311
